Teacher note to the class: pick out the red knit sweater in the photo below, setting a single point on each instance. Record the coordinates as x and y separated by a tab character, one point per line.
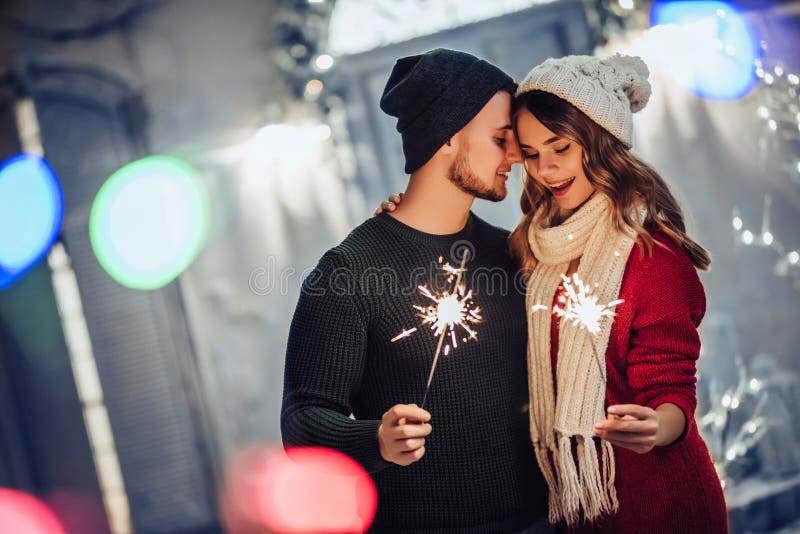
650	361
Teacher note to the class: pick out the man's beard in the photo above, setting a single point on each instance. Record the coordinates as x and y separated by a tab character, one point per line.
462	176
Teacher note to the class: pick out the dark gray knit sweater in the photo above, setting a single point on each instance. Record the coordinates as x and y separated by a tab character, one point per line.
479	473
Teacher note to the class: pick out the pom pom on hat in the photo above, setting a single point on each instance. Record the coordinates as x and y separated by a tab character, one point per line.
634	74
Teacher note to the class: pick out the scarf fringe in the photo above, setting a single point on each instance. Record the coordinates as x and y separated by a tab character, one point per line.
544	456
579	489
609	474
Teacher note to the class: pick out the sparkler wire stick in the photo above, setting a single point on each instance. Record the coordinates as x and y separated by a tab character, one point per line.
443	333
596	352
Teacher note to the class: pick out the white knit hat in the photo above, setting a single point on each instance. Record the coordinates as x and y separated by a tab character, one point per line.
609	91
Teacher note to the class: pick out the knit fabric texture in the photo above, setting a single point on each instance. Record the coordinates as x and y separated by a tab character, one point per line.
651	360
434	95
608	91
479	472
563	418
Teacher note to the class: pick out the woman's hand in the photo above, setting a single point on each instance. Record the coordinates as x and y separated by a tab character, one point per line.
640	428
390	204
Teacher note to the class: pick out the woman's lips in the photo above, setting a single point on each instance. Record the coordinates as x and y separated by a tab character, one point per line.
562	188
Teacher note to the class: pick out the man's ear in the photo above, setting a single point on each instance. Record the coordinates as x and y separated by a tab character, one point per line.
450	146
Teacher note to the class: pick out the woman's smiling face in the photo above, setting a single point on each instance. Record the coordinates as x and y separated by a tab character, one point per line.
555	162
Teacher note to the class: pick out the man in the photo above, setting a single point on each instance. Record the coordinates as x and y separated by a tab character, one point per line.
465	463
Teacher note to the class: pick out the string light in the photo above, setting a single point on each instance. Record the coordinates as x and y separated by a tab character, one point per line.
766	239
732	436
777	106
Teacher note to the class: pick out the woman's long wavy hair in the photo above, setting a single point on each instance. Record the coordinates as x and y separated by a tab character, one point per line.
613	170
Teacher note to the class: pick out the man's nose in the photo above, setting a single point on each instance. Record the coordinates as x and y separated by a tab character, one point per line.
513	152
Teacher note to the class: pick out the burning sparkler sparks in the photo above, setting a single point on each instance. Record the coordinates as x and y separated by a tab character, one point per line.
450	312
581	307
404	333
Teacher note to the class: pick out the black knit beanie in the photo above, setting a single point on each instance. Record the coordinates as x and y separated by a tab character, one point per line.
434	95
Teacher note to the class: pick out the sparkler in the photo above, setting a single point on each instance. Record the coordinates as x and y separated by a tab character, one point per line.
581	307
449	310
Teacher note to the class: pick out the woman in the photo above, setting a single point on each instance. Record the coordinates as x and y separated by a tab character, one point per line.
592	208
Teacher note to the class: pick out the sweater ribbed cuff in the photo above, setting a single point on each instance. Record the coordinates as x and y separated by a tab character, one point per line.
686	406
322	427
366	433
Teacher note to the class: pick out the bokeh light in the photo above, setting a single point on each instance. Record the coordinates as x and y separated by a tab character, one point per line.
31	212
21	513
301	490
149	221
712	49
314	88
78	512
323	62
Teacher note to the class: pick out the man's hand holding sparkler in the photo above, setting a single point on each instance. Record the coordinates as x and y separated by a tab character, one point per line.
402	433
640	428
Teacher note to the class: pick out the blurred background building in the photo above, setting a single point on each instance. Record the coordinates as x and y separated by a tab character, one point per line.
188	161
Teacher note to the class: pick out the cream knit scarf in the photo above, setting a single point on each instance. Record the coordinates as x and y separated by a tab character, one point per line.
562	421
